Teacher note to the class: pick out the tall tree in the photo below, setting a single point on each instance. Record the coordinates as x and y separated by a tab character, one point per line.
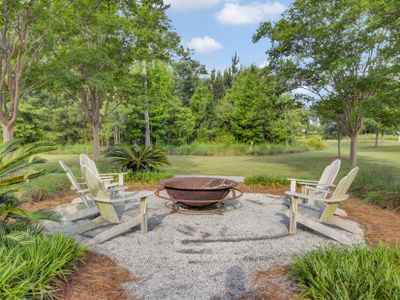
92	66
335	50
153	40
27	29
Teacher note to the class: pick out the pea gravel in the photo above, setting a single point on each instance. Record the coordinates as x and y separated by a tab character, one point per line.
206	256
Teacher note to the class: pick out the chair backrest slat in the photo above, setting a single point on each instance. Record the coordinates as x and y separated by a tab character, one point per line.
75	183
339	194
86	161
327	178
100	196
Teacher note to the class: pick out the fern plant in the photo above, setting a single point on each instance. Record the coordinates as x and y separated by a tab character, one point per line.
137	158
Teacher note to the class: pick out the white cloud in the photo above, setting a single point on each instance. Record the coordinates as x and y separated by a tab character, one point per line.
191	4
252	13
204	45
264	64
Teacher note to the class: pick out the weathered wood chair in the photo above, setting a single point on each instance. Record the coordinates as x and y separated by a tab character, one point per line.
317	216
319	189
108	213
107	178
87	208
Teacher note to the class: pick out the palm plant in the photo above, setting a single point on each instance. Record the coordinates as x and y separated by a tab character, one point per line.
137	158
17	163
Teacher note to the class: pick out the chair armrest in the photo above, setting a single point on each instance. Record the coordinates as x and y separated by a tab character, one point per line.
113	174
302	180
337	200
315	184
302	196
83	191
129	198
317	190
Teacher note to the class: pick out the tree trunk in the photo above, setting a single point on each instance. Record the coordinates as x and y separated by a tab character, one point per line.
8	132
353	150
147	139
339	142
96	140
376	137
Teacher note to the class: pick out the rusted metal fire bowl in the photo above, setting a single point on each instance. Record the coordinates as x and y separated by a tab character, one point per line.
198	192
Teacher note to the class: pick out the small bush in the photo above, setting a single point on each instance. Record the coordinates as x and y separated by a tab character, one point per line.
349	273
33	270
146	177
315	142
267	181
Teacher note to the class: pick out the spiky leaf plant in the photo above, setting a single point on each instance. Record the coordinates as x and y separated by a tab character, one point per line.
17	164
137	158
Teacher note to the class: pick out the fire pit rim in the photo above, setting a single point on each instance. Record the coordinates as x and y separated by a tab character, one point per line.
230	184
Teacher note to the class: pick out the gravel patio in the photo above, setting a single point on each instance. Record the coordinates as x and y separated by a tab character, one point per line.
206	256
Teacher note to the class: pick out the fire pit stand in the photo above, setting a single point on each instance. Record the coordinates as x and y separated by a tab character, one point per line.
198	195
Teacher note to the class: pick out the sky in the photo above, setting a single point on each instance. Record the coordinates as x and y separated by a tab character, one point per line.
216	29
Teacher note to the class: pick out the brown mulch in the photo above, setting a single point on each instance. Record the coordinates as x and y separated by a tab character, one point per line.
101	278
97	277
48	203
379	225
274	283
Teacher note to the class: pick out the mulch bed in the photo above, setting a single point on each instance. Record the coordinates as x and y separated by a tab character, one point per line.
100	277
97	277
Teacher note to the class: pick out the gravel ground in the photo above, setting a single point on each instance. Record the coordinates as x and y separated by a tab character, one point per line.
207	256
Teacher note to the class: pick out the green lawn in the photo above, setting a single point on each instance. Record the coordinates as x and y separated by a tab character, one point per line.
308	164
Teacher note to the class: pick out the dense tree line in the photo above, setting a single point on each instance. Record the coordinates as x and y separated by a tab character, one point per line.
115	71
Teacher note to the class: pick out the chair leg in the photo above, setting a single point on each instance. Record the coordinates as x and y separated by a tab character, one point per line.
293	215
114	231
325	230
90	225
346	225
143	215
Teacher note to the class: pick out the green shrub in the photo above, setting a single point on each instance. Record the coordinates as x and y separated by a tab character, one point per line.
137	158
349	273
146	177
267	181
34	270
315	142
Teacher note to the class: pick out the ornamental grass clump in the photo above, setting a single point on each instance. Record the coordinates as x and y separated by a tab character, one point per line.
339	273
266	181
35	267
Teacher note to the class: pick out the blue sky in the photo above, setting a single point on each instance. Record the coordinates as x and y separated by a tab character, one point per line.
215	29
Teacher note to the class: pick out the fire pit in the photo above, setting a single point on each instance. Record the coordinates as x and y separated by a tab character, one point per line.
198	194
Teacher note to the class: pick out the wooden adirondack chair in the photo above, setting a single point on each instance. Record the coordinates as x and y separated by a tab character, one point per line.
107	178
108	214
316	216
319	189
87	208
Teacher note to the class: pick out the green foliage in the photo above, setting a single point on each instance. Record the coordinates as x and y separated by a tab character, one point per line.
34	264
238	149
349	273
315	142
378	184
137	158
146	177
267	181
16	166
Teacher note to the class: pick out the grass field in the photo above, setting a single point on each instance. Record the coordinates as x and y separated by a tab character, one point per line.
378	181
307	164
